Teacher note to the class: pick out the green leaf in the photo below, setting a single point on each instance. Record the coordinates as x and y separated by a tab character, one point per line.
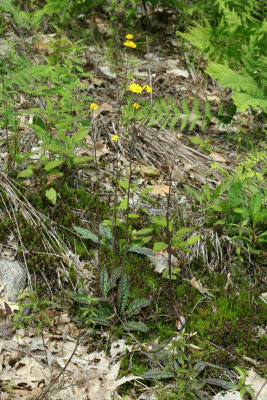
144	231
141	250
136	305
53	164
255	205
123	293
82	159
40	132
115	275
193	192
107	222
182	232
78	136
25	173
162	221
133	215
123	205
220	222
159	246
215	207
145	191
54	148
157	374
185	107
104	313
124	184
104	282
51	194
174	273
196	140
192	240
136	326
86	234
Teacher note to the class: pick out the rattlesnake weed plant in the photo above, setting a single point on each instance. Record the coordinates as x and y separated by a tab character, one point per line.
106	236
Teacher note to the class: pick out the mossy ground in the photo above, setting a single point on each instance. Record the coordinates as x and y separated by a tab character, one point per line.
228	318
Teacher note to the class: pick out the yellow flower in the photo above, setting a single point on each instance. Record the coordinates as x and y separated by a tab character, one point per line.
93	106
135	88
115	138
129	36
129	43
147	88
136	106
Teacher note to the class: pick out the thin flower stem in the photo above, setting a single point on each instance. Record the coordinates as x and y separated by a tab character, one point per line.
170	254
97	195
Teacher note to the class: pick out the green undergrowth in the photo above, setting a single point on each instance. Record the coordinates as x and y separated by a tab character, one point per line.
229	317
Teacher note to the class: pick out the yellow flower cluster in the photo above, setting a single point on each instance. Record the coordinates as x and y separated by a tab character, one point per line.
115	138
135	88
93	106
136	106
129	42
147	88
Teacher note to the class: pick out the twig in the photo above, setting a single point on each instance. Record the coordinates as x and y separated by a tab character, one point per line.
46	391
264	383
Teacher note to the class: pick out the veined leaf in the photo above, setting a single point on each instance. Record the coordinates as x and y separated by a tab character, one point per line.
86	234
136	326
123	293
104	282
136	305
115	275
157	374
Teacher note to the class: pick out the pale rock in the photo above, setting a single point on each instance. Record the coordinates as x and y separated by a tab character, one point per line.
12	278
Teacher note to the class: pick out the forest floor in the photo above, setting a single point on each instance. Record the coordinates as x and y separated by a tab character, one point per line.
92	330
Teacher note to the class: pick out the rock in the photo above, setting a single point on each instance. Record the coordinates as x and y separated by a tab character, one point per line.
12	278
229	395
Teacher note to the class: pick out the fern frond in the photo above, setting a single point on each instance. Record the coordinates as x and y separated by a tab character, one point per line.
166	113
247	92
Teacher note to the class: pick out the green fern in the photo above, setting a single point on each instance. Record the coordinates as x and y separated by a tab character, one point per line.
19	17
233	38
246	91
166	113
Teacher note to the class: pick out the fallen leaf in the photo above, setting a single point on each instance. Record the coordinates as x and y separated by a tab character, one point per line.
198	285
105	107
105	70
177	174
160	261
214	98
178	72
258	384
219	157
162	190
119	347
146	170
53	177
